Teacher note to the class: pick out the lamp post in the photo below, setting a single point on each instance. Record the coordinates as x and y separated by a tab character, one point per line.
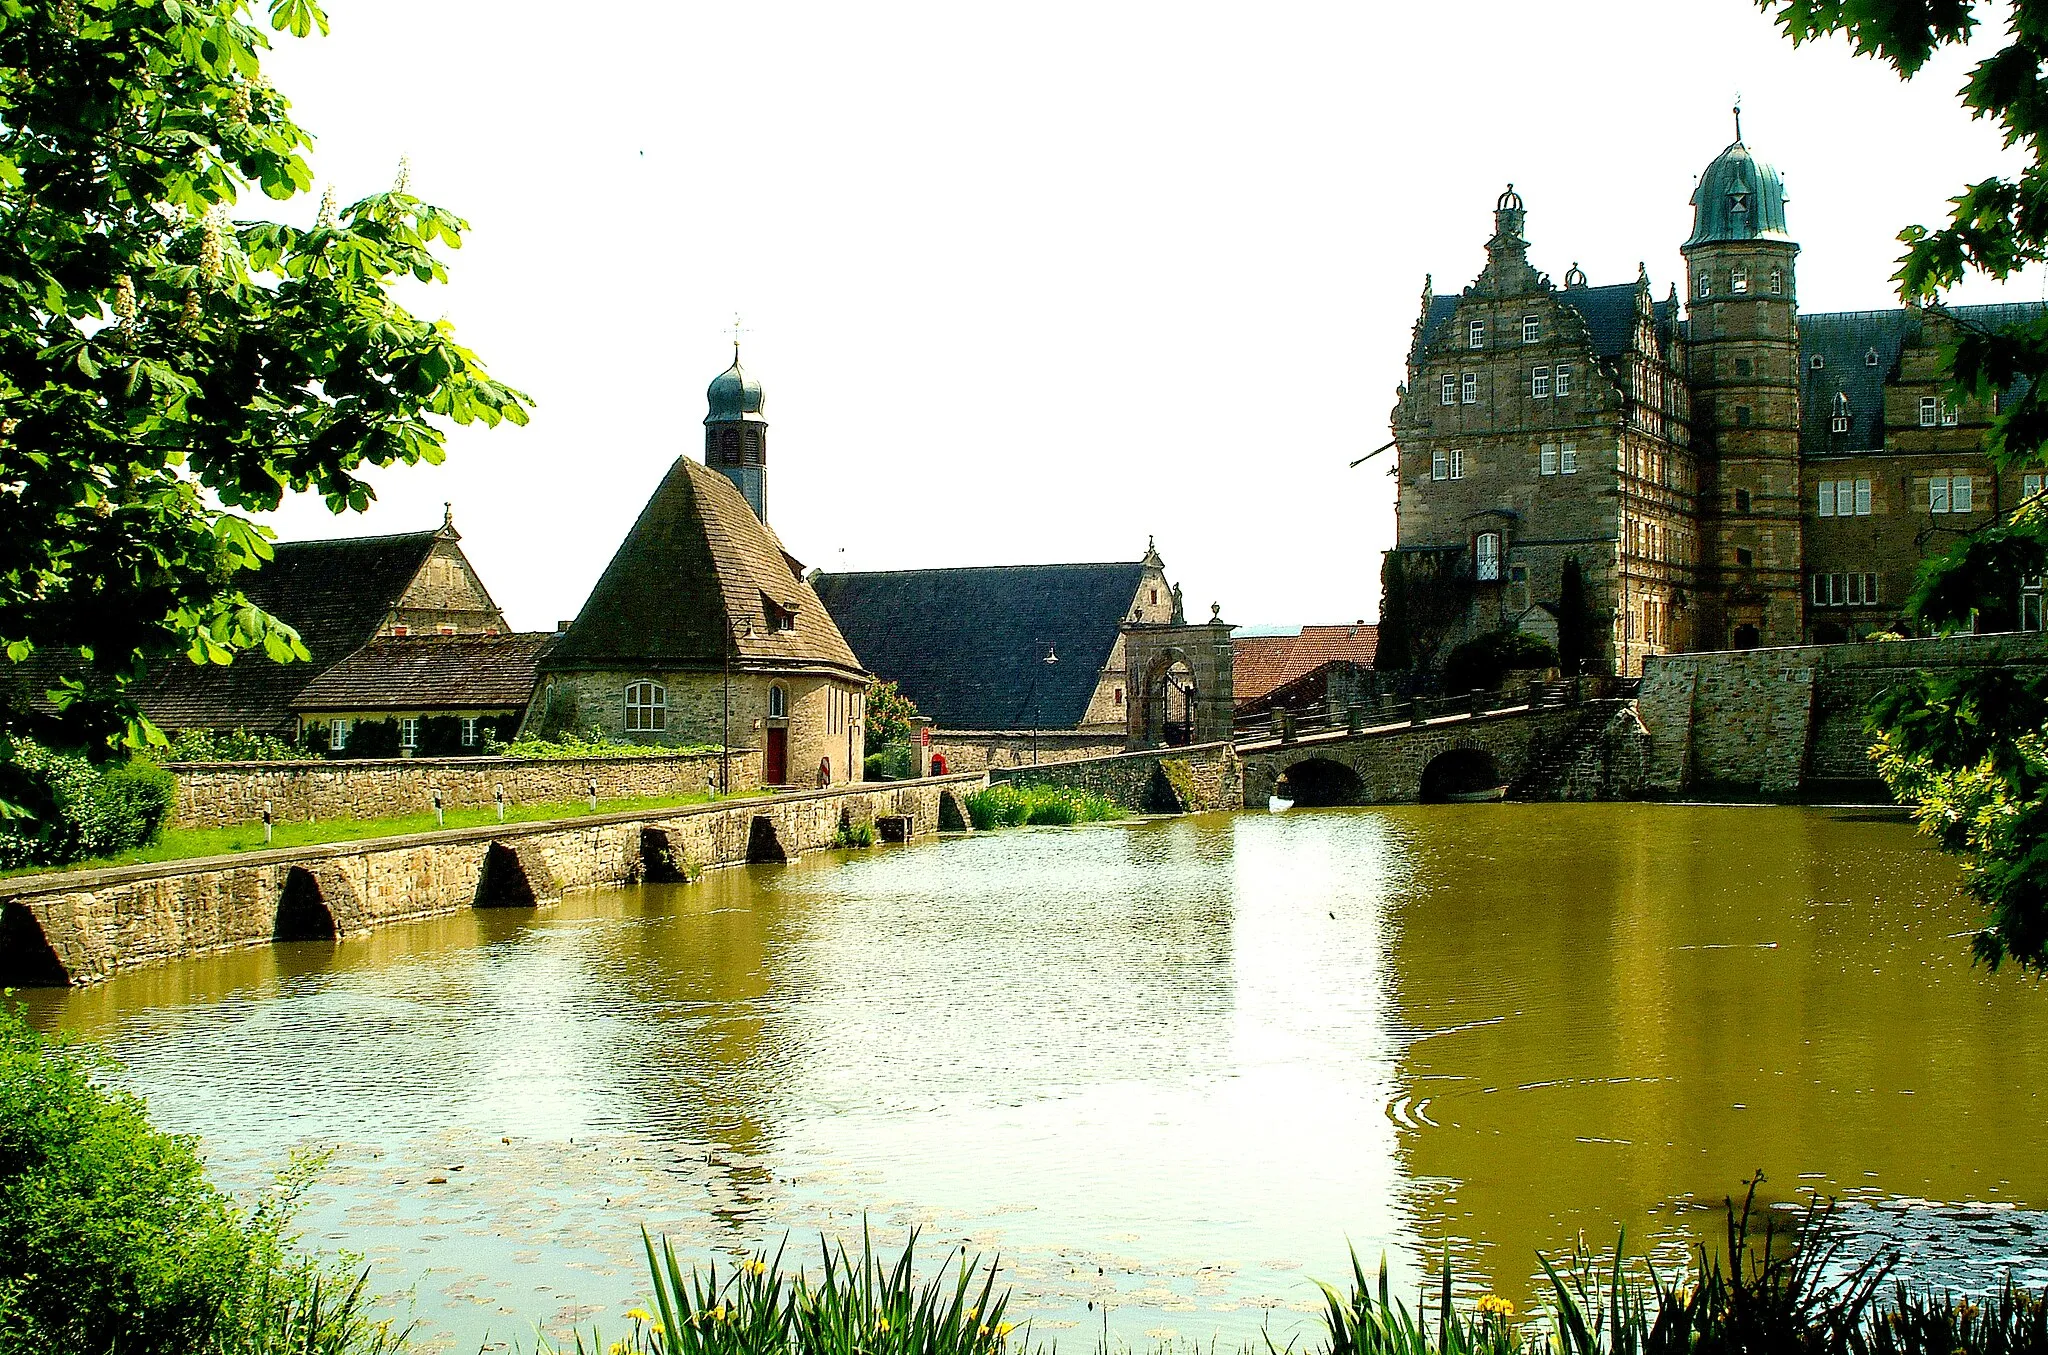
1038	701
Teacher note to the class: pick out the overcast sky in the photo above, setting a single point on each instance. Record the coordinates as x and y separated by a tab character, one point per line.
1029	283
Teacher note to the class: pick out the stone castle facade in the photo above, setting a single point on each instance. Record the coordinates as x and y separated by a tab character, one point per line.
1727	472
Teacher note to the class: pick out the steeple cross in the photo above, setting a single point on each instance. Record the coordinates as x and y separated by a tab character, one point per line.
737	330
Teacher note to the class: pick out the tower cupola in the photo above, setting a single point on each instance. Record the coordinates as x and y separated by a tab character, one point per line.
736	433
1739	197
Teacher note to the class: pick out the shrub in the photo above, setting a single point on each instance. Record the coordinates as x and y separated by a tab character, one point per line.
111	1238
592	743
1480	663
372	738
82	809
850	834
229	745
1004	805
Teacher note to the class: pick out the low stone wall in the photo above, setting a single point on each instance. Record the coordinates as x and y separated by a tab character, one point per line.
1788	722
83	926
977	750
220	794
1194	779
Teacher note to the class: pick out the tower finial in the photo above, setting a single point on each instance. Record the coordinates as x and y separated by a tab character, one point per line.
737	330
447	513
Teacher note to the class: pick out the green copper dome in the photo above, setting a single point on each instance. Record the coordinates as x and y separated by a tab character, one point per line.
1739	197
733	396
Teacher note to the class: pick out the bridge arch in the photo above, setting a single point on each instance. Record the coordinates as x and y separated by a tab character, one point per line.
27	959
302	910
1320	782
1171	698
1460	774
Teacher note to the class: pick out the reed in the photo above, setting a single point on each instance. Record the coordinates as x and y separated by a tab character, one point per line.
1004	805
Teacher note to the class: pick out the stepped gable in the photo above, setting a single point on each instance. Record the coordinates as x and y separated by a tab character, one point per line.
336	594
968	645
696	567
431	672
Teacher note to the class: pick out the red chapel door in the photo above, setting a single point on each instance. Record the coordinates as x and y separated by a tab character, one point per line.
775	765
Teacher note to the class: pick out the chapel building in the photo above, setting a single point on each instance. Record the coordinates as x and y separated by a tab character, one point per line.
1727	472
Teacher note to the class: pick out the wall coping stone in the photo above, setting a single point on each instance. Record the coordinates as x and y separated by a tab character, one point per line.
1177	750
75	881
425	763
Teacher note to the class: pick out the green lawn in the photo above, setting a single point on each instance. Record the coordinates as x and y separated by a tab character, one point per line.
179	844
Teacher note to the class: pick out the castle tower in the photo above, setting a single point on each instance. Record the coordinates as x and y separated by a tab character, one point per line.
736	434
1742	337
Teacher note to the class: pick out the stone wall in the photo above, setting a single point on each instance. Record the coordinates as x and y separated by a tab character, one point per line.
219	794
1194	779
1788	722
84	926
975	750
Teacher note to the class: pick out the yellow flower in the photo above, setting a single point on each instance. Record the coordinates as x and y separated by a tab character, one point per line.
1004	1329
882	1323
640	1315
983	1331
974	1312
754	1267
1493	1305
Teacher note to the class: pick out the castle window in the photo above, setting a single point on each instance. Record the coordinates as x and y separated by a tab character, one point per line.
1744	556
1816	362
1475	336
1742	416
1539	383
1568	458
1949	415
1928	409
337	735
1518	587
1825	504
1738	282
1470	388
1439	464
753	446
1547	459
1532	329
729	447
778	702
1706	284
1450	389
1564	379
2030	485
1742	367
1119	696
401	630
469	734
1457	463
1840	422
409	731
1777	281
1870	358
1845	590
1949	494
2030	611
1486	557
444	630
646	708
1742	501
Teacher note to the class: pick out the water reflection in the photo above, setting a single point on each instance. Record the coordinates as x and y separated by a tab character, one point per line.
1169	1068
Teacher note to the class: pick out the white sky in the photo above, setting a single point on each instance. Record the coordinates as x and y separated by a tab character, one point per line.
1027	283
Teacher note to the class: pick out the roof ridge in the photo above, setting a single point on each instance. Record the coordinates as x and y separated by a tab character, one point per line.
966	569
357	540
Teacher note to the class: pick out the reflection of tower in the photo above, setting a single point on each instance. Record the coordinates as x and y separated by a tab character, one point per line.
1743	345
736	434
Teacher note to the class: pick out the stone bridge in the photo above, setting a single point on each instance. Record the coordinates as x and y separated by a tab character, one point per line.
1445	758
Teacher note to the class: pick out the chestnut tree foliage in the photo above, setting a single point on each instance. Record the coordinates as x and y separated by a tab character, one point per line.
170	362
1971	751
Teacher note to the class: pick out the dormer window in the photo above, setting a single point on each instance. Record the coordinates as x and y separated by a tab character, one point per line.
779	617
1840	422
1870	358
1816	362
1738	203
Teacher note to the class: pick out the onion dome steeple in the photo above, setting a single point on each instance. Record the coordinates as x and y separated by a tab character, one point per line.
736	433
1739	197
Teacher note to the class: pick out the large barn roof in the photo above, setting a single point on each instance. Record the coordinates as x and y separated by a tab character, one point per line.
699	572
430	672
968	645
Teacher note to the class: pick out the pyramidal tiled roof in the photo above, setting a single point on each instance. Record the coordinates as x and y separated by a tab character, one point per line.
697	567
968	645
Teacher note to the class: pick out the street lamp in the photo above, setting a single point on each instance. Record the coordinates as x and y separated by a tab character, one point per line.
1038	702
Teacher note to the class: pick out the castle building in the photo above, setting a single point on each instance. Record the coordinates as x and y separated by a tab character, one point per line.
702	629
1726	472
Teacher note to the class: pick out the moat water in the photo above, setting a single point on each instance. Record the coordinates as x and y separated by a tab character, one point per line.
1166	1069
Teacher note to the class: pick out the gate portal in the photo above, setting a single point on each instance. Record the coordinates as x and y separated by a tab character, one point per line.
1179	678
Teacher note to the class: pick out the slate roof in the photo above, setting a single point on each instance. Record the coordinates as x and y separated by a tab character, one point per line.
1609	313
336	594
969	645
431	672
1262	663
1845	341
697	564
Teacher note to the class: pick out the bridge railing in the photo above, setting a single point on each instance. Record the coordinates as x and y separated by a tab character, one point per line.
1325	717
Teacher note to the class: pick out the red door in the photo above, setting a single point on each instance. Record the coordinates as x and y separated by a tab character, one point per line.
775	768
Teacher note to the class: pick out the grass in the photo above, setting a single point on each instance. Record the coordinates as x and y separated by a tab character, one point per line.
1004	805
182	844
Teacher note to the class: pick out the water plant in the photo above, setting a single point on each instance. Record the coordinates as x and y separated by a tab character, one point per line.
1006	805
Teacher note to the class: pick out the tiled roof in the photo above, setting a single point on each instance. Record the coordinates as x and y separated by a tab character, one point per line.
1262	663
1609	313
1846	342
969	645
430	672
696	566
336	594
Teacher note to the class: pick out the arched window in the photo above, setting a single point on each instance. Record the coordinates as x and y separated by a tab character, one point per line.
729	447
778	702
1840	422
646	708
1486	557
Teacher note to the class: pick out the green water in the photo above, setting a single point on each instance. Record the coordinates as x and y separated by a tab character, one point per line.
1166	1069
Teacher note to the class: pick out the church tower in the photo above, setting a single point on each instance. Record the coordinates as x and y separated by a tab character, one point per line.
736	434
1742	342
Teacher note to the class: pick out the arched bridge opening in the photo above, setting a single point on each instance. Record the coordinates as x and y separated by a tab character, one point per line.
1461	774
1319	782
27	959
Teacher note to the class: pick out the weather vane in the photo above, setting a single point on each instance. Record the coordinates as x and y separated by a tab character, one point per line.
737	331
